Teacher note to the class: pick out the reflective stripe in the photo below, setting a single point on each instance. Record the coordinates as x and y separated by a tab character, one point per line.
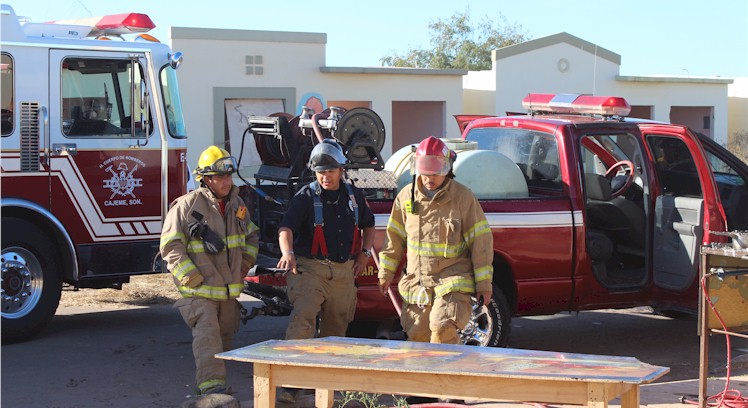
213	292
387	263
252	251
206	385
236	241
460	284
195	247
477	230
183	268
396	228
436	249
412	297
165	239
483	273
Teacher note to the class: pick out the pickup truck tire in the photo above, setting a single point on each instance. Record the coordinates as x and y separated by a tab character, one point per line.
490	325
31	280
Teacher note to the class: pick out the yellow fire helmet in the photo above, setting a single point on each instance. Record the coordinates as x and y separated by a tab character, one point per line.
214	160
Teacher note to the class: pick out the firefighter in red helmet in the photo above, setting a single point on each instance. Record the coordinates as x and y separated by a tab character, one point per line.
449	248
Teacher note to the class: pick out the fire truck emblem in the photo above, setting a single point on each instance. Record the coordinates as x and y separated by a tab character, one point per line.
122	183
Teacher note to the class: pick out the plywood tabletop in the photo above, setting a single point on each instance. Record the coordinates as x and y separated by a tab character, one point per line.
390	355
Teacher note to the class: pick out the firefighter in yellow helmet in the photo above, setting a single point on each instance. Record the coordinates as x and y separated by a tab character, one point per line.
208	244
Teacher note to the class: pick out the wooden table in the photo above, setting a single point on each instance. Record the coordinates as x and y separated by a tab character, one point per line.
439	370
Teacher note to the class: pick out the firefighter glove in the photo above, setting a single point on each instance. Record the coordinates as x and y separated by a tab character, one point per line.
211	241
192	280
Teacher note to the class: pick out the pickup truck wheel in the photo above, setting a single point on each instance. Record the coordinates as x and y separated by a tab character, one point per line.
31	282
489	326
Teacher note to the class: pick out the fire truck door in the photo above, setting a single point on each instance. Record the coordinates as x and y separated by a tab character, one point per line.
105	157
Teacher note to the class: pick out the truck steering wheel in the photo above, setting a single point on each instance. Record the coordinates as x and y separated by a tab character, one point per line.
622	166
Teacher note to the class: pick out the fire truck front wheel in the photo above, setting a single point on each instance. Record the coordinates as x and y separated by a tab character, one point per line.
31	280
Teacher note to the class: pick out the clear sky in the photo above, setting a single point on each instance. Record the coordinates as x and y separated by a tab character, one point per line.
653	37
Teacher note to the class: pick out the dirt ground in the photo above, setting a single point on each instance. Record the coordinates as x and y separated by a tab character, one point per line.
121	349
145	290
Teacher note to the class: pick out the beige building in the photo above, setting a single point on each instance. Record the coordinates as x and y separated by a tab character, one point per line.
562	63
737	108
231	74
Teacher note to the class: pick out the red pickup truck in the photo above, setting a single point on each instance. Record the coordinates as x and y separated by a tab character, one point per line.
610	212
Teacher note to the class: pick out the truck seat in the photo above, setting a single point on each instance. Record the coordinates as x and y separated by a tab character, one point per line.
622	219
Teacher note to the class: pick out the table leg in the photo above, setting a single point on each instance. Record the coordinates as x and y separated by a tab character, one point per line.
597	395
324	398
703	336
263	388
631	398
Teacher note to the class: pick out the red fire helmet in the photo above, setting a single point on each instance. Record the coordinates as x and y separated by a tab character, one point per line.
433	157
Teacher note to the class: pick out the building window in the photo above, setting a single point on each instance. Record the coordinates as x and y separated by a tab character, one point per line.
254	65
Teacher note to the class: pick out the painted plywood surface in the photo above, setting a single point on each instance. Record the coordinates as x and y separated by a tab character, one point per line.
729	295
388	355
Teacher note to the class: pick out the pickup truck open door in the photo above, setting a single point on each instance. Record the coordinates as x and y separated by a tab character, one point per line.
686	202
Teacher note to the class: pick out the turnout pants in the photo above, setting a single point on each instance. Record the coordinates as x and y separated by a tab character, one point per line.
213	325
321	288
439	320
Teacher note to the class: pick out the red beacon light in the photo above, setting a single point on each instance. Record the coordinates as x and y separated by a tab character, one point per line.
577	104
114	24
118	24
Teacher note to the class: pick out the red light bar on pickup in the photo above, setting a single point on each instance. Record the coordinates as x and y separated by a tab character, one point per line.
577	104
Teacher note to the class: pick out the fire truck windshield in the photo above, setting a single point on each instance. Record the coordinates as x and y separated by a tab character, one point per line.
172	103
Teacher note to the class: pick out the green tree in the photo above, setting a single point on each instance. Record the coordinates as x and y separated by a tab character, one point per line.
456	43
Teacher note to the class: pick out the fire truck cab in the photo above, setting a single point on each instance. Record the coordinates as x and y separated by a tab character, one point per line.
93	151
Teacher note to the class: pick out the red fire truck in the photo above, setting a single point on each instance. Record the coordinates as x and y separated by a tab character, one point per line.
93	151
589	209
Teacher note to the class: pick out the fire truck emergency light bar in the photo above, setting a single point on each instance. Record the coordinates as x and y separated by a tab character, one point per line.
114	24
578	104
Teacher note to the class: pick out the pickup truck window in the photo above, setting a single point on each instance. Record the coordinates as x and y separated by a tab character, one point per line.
675	167
535	153
733	191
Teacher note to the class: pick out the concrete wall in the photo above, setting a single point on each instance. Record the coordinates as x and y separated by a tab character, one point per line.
562	63
673	98
554	68
737	108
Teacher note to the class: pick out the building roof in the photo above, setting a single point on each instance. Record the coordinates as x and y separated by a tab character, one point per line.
674	79
224	34
392	71
554	39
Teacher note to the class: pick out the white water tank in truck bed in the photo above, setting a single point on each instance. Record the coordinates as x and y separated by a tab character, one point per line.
489	174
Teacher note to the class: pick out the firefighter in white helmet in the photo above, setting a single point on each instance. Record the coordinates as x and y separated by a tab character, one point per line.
325	239
449	249
208	244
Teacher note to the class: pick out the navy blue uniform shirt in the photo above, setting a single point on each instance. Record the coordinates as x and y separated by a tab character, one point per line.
337	213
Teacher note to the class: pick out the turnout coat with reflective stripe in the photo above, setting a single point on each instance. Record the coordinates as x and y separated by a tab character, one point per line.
448	241
223	273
